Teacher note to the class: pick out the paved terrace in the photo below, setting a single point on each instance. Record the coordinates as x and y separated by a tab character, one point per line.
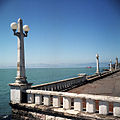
109	85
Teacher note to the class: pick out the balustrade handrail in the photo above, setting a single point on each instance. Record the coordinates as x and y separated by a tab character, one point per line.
75	95
79	102
55	82
69	79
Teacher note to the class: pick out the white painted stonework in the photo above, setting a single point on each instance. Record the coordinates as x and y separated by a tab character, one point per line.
103	107
116	109
60	118
38	99
48	117
66	103
47	100
90	106
78	105
15	94
56	101
30	98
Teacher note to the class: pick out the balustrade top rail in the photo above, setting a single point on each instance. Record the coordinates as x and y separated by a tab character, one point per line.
59	81
75	95
75	102
80	76
102	74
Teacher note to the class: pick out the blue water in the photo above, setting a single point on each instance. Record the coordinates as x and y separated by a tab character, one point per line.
36	76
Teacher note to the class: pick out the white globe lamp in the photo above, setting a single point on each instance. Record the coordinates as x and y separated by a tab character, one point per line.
26	28
14	26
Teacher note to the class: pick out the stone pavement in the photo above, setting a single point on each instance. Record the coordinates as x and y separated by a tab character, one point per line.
109	85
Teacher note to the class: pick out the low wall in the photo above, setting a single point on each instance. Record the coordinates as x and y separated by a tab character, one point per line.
51	105
67	84
62	85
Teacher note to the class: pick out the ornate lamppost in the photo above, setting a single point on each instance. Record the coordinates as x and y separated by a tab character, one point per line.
21	84
21	77
110	65
116	63
97	62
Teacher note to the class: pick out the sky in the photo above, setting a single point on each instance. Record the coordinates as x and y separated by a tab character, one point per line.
63	33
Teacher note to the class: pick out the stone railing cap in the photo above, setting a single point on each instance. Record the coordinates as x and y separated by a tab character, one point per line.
82	74
75	95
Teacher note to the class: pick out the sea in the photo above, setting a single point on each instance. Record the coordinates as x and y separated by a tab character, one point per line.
35	76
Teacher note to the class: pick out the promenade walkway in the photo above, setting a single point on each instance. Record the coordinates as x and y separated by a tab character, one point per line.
109	85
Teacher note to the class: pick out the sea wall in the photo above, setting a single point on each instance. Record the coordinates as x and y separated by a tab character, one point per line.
30	115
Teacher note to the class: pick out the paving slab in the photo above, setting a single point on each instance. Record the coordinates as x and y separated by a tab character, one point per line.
109	85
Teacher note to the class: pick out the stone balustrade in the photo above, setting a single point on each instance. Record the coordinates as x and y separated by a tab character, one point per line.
62	85
73	101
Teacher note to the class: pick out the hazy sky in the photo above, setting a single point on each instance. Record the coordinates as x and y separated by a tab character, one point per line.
63	32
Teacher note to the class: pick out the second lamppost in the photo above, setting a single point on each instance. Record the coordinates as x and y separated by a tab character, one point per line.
21	76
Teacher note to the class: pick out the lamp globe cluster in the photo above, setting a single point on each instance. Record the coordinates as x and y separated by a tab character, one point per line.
14	27
97	55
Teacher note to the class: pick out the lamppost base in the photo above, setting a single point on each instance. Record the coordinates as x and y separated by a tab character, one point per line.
98	73
21	80
17	91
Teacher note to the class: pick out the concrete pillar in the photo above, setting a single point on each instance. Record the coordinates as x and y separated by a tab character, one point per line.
90	106
66	103
103	107
38	99
15	94
78	105
58	87
45	88
52	88
48	88
63	85
110	65
47	100
55	87
30	98
56	101
97	62
73	82
116	109
69	84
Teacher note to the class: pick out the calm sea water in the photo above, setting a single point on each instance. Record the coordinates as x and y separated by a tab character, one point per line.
36	76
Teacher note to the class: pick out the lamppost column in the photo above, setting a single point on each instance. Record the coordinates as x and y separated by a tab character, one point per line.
116	64
97	62
21	78
110	65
